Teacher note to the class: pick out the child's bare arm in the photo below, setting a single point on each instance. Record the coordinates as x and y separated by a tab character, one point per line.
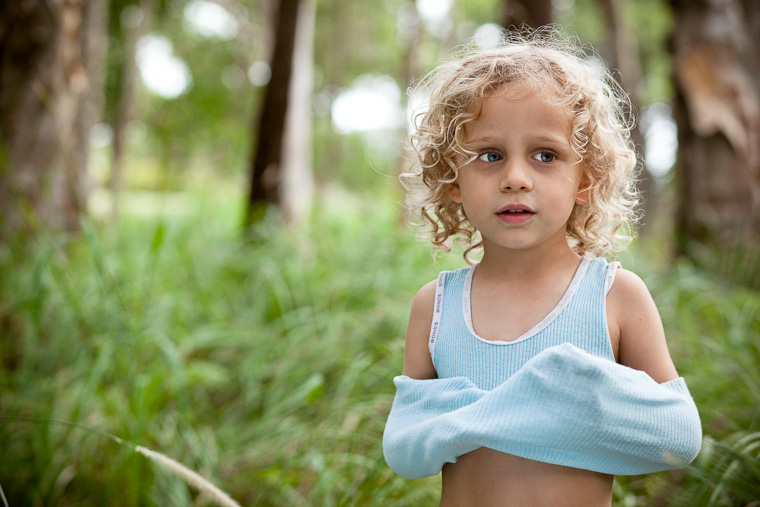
632	312
417	361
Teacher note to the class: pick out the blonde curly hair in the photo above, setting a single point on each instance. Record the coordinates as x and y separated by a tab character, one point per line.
547	62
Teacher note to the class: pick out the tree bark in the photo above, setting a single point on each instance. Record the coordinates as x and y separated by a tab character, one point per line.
717	111
267	153
48	59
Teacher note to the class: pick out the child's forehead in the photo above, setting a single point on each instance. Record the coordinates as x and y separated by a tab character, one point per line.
515	90
518	91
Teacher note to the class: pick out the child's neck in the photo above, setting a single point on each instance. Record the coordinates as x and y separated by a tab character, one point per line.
527	264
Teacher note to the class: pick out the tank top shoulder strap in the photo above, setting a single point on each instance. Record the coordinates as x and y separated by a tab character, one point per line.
612	269
449	285
601	273
435	325
595	275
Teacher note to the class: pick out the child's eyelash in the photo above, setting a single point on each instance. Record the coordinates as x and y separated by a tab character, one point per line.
545	152
484	156
495	156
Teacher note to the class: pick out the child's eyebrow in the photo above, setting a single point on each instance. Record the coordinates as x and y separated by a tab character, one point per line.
486	139
539	138
552	139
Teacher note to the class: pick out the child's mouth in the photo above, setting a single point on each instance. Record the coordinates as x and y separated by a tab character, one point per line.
515	214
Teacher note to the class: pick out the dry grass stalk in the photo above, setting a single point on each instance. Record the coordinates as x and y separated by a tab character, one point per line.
192	478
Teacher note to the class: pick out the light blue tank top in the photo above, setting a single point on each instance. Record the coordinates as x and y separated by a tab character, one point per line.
579	318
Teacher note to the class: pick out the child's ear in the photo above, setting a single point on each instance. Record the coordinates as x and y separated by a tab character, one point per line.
582	197
454	193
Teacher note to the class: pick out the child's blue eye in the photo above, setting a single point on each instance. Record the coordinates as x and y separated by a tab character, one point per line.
489	156
545	157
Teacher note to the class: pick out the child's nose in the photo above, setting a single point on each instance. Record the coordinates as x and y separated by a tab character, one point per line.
515	176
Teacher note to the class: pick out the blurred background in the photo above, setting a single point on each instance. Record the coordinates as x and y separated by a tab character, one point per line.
203	246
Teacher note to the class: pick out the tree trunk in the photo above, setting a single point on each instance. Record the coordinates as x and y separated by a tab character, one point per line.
267	161
717	111
297	181
412	37
48	59
534	13
127	99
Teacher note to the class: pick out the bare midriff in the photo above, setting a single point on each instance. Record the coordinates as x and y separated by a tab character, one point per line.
488	478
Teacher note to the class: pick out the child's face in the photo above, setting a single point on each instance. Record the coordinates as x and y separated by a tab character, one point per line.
520	190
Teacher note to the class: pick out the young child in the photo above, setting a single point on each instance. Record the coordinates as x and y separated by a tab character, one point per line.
533	376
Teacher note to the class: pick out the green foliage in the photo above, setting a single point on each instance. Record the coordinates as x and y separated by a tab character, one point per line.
266	366
356	38
650	21
649	24
206	129
586	21
480	11
205	133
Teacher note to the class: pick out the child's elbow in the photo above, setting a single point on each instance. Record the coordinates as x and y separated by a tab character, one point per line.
687	439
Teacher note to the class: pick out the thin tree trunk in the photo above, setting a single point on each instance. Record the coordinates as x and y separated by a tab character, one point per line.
127	100
266	155
297	182
717	111
412	36
47	60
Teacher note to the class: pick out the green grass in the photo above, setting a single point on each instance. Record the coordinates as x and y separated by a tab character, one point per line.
265	365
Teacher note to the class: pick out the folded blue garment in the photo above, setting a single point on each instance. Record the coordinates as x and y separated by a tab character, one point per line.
564	407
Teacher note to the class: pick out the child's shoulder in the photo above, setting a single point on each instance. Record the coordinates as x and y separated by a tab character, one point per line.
629	295
636	324
628	286
425	297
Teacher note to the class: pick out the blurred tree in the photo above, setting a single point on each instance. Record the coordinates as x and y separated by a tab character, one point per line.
185	141
50	55
297	180
282	133
717	110
128	22
533	13
202	135
410	32
354	39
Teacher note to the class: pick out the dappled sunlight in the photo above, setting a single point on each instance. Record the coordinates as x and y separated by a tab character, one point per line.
373	102
662	139
211	20
162	72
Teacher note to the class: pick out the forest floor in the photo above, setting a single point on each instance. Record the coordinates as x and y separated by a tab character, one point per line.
265	364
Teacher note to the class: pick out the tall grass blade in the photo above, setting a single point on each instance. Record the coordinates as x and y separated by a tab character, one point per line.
2	495
192	478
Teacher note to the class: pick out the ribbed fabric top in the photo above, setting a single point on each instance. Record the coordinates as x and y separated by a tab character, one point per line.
563	407
579	318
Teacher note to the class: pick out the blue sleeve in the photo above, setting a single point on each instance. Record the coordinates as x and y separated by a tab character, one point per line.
563	407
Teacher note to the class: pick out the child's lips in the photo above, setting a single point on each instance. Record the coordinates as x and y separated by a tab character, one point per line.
517	207
515	213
